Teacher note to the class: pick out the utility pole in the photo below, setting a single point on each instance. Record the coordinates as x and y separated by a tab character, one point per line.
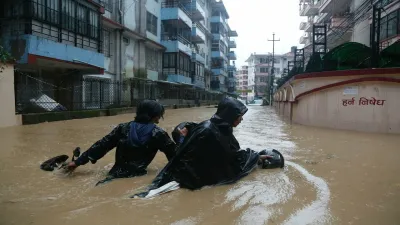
271	77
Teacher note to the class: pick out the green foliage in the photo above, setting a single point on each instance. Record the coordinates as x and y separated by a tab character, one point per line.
5	57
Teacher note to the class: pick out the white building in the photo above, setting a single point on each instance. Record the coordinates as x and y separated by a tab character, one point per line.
348	20
259	71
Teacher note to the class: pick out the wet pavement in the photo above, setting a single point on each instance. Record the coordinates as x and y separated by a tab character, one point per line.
331	177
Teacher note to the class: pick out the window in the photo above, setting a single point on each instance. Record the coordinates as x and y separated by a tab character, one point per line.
151	23
264	70
93	24
39	7
108	5
68	14
107	42
215	45
52	11
169	60
81	17
152	59
215	28
389	25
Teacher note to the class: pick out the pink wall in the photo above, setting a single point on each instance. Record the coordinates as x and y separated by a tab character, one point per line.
318	100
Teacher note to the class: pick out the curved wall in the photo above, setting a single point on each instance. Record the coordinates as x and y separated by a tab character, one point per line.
362	100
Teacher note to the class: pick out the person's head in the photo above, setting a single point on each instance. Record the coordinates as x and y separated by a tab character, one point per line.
149	111
231	111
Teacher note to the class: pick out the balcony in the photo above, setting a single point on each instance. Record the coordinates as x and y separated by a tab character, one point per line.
219	71
217	19
231	67
197	11
309	26
199	57
232	33
220	37
323	18
176	10
310	10
54	55
232	44
303	39
175	43
334	6
198	33
232	55
179	79
199	83
302	25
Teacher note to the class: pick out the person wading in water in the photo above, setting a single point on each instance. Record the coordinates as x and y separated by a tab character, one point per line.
136	142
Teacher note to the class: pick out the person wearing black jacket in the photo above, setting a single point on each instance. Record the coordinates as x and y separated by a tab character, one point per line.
136	142
209	154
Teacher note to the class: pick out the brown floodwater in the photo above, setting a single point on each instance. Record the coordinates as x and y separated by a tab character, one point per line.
331	177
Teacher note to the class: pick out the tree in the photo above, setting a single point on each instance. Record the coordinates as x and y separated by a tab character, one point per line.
5	57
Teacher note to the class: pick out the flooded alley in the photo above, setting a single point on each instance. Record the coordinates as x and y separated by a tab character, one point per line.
331	177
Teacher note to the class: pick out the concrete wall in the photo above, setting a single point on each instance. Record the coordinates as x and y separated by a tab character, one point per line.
337	101
7	98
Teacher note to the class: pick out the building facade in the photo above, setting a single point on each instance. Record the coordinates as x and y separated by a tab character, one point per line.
76	42
222	52
259	72
348	21
242	82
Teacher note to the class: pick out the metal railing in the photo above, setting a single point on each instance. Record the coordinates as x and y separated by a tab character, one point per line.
178	4
178	37
36	96
200	27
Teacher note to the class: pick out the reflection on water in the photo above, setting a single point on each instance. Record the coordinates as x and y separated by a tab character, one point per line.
331	177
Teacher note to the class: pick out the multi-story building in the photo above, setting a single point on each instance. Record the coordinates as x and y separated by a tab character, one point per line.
74	42
242	82
348	21
221	53
259	71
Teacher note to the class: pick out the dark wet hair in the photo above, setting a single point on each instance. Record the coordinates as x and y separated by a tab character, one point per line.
147	110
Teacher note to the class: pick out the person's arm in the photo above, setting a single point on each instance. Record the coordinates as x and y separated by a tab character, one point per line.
100	148
166	145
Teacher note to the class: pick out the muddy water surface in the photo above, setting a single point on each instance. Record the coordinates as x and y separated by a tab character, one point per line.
331	177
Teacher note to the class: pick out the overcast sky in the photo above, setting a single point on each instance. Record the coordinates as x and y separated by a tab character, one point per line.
256	20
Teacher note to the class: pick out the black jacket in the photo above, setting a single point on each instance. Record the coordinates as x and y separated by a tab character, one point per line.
136	146
210	153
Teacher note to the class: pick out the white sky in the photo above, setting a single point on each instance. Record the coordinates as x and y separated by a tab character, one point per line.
256	20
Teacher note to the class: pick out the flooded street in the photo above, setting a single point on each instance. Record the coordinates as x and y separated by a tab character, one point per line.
331	177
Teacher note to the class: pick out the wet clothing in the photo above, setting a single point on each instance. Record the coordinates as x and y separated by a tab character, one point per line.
136	146
210	153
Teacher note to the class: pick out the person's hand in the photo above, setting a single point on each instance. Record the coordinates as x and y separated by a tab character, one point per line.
70	167
183	131
263	157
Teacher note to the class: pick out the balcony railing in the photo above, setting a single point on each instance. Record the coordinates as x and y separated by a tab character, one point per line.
177	4
302	25
180	38
200	27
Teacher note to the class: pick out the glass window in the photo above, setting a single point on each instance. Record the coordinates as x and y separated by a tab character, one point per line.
151	24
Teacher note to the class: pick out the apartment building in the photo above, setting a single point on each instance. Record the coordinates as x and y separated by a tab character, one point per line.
348	21
242	82
222	52
259	71
76	42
